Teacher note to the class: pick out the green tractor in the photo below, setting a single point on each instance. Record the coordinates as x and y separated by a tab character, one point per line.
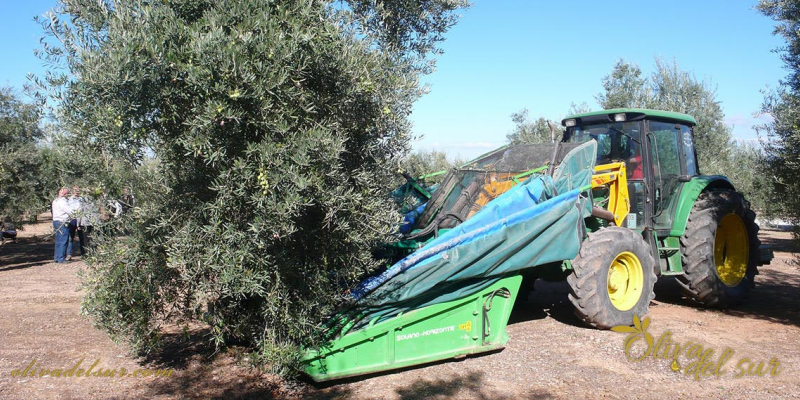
617	203
695	227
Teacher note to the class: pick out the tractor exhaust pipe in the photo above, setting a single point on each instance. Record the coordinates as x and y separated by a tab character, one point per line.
555	148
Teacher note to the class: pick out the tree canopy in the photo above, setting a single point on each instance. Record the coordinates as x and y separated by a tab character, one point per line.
531	132
782	135
672	89
423	162
275	128
527	131
22	181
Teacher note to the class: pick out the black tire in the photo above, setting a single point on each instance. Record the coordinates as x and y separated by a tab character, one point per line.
701	281
589	281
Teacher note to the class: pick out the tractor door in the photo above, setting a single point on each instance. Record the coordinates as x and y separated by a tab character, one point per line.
674	161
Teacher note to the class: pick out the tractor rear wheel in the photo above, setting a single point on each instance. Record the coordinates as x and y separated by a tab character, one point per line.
720	249
612	278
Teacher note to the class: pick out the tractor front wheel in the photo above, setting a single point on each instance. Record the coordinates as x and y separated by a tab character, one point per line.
612	278
720	249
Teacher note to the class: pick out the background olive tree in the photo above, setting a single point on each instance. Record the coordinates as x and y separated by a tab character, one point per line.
275	129
22	183
781	137
672	89
527	131
423	162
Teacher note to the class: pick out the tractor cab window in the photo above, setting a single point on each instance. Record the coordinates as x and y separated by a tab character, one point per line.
688	150
618	141
665	140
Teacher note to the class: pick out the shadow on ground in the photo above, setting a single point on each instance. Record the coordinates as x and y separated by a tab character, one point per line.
788	245
775	297
470	386
202	372
26	253
547	299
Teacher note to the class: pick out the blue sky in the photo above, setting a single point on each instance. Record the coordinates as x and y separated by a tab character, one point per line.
504	56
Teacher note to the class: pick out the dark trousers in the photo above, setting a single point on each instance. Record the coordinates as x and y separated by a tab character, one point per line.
81	238
73	229
85	240
62	236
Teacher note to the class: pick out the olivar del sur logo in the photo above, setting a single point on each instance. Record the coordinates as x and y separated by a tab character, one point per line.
692	358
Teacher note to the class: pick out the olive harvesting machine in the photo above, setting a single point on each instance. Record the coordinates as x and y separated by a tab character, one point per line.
617	203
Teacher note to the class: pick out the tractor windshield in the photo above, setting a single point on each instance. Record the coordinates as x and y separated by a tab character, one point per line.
617	141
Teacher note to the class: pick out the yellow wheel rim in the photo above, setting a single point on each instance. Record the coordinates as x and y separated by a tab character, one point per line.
625	281
731	250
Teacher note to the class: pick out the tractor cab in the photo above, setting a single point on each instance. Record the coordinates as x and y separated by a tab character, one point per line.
657	149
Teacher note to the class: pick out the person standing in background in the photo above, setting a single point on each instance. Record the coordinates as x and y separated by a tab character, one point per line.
89	218
76	209
61	216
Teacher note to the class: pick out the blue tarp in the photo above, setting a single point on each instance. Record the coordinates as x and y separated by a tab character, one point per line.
529	225
410	218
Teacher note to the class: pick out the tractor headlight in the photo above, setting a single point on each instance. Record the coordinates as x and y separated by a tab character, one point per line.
619	117
569	123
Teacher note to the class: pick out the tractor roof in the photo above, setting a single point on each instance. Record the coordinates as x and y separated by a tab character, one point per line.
635	113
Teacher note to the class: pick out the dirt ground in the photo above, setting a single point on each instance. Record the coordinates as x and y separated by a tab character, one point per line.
550	355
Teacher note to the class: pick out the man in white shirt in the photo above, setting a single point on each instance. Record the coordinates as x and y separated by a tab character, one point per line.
76	210
61	216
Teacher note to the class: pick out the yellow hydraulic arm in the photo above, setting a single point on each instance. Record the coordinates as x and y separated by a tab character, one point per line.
615	177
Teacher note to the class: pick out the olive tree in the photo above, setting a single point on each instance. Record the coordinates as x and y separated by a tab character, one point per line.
424	162
275	126
22	182
672	89
531	132
782	135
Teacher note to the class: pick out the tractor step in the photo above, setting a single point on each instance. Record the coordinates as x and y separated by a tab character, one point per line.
669	250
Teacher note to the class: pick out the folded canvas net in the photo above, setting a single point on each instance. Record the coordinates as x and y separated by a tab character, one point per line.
467	189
